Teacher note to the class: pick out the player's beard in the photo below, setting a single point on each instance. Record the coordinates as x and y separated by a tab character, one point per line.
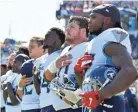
70	39
97	32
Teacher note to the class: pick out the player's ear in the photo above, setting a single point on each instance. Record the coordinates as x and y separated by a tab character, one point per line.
108	20
83	30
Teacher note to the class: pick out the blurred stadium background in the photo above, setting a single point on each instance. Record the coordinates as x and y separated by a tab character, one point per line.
21	19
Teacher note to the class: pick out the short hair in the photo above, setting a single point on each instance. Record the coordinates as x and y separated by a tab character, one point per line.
4	66
82	22
38	40
24	50
59	32
117	25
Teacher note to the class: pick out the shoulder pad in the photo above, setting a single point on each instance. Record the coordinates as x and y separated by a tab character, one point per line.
115	35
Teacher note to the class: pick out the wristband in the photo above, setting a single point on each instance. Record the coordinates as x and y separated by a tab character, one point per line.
52	67
20	88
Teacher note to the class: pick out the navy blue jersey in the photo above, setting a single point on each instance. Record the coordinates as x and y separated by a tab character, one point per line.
131	103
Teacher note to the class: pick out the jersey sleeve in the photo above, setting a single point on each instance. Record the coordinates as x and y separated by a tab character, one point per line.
117	35
17	80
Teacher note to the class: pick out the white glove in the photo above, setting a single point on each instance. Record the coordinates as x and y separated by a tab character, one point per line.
72	96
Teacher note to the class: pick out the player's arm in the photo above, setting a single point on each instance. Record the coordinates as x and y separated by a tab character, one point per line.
48	75
55	65
137	94
135	103
12	94
5	92
20	92
23	82
37	84
127	72
136	100
81	66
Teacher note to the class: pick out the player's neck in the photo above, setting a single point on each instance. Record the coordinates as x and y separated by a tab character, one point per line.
41	54
74	43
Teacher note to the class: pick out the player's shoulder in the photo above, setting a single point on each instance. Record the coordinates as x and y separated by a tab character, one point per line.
132	90
78	48
66	49
81	45
18	78
29	61
54	54
112	35
115	29
116	32
8	72
3	78
41	58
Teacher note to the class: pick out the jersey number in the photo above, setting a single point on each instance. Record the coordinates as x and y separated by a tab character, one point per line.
45	85
28	92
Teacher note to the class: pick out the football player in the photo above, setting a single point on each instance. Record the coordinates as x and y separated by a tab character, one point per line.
111	47
33	104
13	101
26	85
3	68
130	98
10	60
54	38
76	35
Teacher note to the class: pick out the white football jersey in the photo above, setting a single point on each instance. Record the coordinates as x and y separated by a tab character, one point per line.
14	79
39	61
96	46
39	66
2	79
30	99
76	53
8	77
47	97
2	103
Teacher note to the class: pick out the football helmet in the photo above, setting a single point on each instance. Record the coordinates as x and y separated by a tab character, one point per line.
99	77
26	68
67	88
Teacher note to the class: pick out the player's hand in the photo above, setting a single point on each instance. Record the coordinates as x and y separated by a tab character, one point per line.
91	99
8	83
73	106
24	81
83	63
63	61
